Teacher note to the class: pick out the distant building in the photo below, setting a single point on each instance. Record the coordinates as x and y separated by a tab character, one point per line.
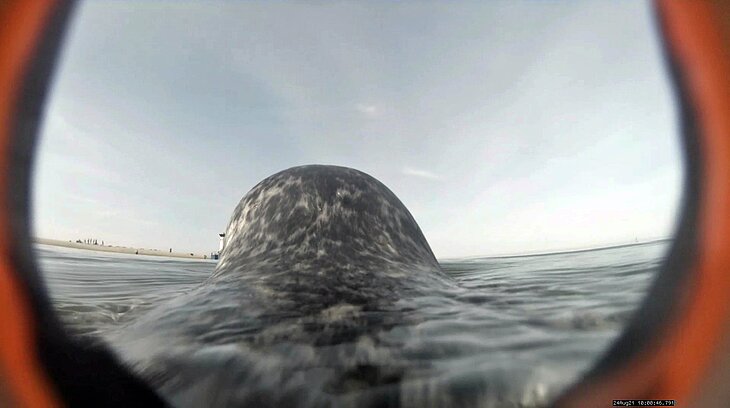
221	244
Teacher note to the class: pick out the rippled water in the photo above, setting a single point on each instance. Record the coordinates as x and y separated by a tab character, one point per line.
511	332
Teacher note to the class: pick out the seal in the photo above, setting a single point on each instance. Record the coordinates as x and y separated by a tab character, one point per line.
322	235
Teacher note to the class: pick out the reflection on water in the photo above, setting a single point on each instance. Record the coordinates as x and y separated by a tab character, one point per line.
512	332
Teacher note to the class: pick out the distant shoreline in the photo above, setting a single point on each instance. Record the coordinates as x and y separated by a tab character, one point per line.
118	249
158	252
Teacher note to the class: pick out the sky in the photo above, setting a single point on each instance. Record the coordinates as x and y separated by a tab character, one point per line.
504	127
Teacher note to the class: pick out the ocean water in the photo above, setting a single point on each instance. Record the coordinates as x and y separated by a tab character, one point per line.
511	332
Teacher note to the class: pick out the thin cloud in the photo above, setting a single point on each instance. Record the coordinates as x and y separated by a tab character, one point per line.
367	110
410	171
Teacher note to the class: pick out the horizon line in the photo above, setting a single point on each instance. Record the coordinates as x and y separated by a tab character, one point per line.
557	251
459	258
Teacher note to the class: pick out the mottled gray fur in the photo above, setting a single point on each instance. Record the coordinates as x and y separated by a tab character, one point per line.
323	235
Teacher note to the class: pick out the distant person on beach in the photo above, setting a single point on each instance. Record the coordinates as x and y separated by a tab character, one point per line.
170	250
136	252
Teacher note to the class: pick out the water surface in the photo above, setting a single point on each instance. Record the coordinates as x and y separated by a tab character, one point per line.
512	332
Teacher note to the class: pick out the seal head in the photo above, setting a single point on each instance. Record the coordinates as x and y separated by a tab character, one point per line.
328	231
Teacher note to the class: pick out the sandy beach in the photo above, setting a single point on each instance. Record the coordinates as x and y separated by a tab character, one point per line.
119	249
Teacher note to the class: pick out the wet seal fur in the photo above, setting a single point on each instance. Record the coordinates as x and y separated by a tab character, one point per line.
321	235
